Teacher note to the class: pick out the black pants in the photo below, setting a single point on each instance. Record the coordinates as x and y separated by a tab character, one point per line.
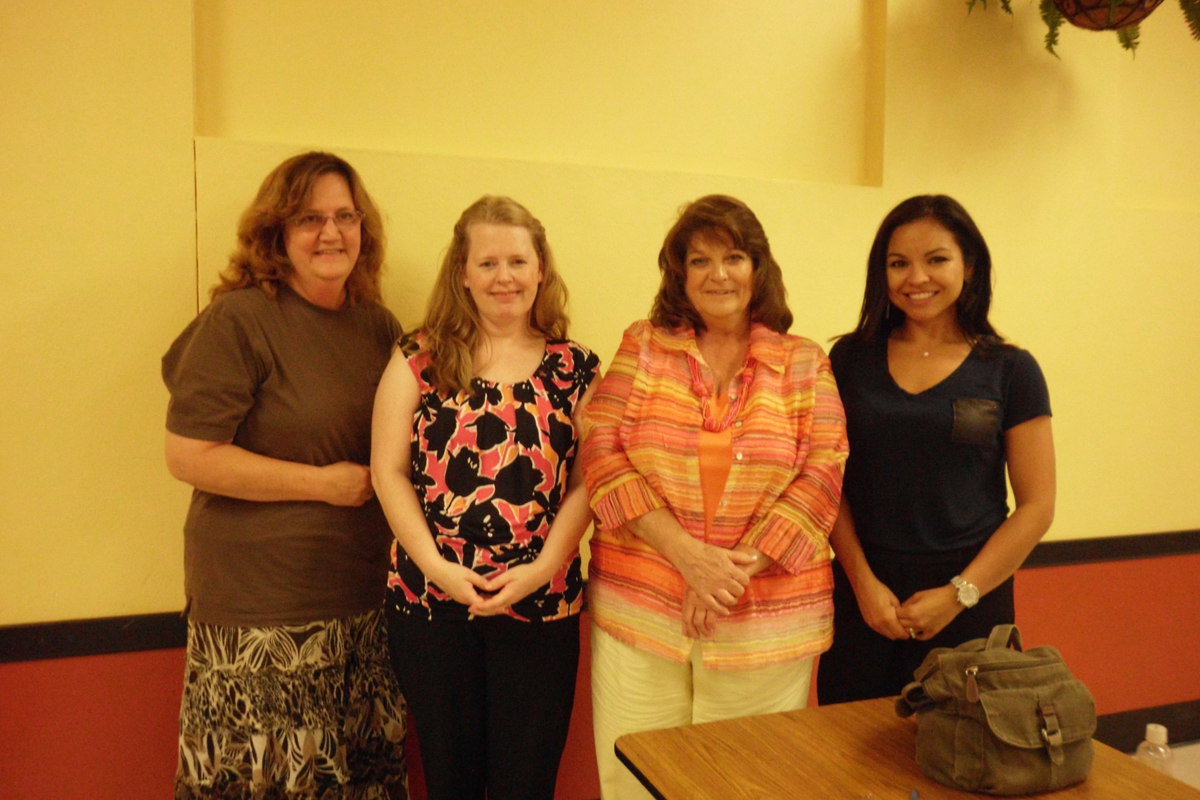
491	702
862	664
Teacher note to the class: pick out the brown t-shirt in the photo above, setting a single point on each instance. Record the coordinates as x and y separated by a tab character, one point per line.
291	380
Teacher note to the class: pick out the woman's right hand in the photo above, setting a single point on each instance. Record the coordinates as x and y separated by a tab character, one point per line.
461	583
347	484
876	602
716	575
878	605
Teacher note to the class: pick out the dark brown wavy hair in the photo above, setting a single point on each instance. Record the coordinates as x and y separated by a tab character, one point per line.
261	256
722	215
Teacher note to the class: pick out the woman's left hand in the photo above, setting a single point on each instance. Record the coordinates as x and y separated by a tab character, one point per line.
511	586
699	622
928	611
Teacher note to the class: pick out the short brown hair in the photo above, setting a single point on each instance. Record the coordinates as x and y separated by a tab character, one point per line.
721	215
261	257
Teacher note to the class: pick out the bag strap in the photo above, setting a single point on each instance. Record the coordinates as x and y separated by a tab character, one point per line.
1004	637
913	699
929	666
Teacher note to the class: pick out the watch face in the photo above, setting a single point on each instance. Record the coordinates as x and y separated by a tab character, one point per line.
968	593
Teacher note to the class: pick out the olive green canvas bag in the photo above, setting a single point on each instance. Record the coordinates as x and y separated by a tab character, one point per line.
994	718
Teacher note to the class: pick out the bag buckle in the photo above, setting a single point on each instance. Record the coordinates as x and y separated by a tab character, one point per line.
1051	733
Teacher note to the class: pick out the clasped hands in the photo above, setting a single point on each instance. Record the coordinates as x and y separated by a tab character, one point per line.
488	596
716	578
922	616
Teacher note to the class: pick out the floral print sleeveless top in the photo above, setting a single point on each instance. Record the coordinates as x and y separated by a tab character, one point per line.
490	468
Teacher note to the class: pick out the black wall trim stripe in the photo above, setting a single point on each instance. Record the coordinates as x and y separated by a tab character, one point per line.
1113	548
34	642
88	637
1124	730
91	637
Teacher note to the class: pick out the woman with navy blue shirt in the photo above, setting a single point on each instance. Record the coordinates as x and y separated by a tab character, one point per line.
939	408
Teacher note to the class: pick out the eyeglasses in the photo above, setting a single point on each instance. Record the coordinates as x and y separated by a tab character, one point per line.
311	222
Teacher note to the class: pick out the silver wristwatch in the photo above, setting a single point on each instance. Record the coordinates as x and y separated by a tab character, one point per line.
968	593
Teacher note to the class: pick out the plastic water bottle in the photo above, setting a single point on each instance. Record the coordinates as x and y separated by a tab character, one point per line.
1155	751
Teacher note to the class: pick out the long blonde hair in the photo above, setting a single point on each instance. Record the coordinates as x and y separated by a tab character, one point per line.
261	257
451	327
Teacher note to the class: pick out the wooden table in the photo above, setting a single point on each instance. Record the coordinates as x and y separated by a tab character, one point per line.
849	751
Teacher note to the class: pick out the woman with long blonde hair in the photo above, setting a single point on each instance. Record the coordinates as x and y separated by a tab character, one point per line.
475	439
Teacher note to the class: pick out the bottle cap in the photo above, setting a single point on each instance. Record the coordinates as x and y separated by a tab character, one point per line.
1156	734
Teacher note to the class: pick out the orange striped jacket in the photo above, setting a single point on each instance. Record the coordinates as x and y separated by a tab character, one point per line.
641	452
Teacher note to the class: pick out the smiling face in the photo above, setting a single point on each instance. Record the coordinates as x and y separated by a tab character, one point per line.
323	259
502	272
720	280
925	272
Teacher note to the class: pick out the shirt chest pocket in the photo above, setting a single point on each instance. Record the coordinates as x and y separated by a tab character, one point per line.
976	422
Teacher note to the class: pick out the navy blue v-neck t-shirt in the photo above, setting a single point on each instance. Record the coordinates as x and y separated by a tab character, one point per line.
926	471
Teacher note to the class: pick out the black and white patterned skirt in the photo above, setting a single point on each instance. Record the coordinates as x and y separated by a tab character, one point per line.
291	712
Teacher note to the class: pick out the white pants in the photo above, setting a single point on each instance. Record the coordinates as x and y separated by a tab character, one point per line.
633	690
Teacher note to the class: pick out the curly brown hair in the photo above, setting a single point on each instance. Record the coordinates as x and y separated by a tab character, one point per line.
261	256
724	216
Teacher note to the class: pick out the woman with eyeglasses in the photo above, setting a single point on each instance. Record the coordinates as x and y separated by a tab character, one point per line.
474	459
288	690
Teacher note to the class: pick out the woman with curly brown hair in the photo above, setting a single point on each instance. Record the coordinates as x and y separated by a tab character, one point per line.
713	457
288	690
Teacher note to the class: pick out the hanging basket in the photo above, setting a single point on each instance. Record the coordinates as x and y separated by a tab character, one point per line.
1103	15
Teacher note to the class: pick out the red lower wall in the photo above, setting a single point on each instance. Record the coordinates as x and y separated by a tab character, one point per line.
98	727
1130	630
103	727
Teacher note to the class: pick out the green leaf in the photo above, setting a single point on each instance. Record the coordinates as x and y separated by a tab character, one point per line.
1054	20
1128	37
1191	12
1006	5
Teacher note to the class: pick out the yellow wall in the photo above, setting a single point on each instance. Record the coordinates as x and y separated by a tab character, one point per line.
603	118
98	213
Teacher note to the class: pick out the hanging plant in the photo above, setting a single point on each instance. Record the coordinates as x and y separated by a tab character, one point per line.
1122	16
